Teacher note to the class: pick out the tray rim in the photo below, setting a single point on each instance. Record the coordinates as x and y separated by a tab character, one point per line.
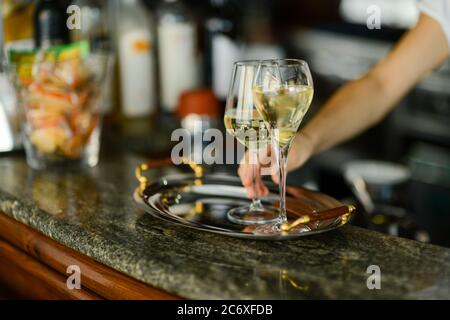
157	213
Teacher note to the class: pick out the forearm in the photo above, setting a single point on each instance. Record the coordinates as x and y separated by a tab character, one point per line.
354	108
364	102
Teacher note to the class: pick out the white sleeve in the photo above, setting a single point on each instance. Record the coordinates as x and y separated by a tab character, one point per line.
439	10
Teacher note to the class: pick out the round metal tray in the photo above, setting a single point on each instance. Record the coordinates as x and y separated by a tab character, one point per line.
202	202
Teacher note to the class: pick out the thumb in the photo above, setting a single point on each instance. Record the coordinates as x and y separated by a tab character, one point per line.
275	172
275	177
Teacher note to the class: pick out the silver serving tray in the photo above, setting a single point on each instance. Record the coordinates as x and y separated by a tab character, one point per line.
202	202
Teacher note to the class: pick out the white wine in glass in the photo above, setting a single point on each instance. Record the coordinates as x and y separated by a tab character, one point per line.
243	121
252	133
284	109
283	92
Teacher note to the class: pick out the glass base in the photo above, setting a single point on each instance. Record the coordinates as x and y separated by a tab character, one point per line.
275	230
253	216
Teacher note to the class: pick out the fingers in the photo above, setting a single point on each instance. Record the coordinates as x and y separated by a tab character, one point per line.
302	150
253	185
264	191
245	171
260	187
274	171
275	178
265	160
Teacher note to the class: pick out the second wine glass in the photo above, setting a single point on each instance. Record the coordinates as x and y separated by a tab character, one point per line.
244	122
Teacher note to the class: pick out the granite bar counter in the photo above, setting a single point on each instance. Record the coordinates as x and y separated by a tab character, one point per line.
94	214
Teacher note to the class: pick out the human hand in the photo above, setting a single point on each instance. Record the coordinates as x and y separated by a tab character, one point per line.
266	164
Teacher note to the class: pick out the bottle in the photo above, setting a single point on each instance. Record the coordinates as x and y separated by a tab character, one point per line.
96	30
2	35
199	110
18	26
136	60
94	24
50	20
178	66
16	33
222	47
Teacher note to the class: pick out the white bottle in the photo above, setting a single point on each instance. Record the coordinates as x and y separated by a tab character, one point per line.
177	42
136	59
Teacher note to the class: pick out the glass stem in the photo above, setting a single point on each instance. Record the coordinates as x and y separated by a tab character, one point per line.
256	201
282	163
282	157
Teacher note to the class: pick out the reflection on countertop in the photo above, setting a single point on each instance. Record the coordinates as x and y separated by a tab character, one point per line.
94	213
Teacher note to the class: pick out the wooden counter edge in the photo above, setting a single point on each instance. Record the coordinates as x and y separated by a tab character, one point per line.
97	278
27	278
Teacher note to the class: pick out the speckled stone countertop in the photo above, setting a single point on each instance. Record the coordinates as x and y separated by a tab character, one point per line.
94	213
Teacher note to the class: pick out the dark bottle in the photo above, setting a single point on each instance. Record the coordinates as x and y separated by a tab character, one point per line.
51	23
94	24
222	47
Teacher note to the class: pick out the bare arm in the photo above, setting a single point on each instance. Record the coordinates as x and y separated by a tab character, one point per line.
364	102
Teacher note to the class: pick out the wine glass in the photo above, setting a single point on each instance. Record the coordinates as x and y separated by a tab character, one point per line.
243	121
282	92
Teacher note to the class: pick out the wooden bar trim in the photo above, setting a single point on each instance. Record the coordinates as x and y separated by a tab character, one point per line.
104	281
28	278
